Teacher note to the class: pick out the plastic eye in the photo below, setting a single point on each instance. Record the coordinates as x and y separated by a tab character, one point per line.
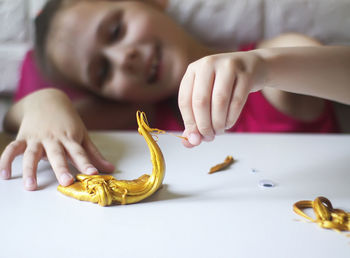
266	183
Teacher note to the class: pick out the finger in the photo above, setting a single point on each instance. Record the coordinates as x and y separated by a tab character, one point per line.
31	158
12	150
222	93
187	144
185	106
79	157
96	157
194	138
57	158
201	100
238	99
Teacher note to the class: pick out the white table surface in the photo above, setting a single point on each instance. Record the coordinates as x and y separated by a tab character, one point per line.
195	214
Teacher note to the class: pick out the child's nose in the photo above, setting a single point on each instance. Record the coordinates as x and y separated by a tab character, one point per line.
127	59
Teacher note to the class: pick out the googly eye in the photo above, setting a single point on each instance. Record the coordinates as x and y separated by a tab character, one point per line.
266	183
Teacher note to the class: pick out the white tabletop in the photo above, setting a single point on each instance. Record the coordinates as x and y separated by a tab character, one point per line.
195	214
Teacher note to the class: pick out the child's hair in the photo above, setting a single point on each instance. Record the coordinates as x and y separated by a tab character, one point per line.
43	25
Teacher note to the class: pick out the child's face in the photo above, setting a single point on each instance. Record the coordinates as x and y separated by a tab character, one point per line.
125	50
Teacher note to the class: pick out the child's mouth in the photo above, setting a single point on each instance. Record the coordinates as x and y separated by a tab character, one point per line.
154	70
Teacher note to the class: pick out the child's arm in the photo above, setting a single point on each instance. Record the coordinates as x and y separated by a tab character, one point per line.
317	71
214	89
49	126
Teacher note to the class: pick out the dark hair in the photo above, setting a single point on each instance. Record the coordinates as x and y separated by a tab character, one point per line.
43	25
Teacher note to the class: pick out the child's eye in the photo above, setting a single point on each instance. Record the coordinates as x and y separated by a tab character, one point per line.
103	72
115	32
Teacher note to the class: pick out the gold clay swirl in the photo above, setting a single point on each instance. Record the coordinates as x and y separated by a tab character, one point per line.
326	216
106	190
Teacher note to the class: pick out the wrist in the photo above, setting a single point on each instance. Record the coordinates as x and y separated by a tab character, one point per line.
262	70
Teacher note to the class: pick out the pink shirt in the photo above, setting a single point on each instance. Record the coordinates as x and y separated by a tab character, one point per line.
31	80
258	115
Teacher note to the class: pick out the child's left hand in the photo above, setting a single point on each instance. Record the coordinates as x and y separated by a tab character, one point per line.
214	90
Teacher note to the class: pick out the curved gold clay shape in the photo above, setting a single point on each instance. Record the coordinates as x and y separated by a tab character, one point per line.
326	215
105	189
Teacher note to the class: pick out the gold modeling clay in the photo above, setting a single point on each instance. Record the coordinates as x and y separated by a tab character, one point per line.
326	216
228	161
105	189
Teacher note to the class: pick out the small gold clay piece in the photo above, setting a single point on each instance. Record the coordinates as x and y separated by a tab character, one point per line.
326	216
228	161
106	190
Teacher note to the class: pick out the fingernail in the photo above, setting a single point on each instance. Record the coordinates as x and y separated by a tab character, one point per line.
194	139
111	166
91	170
30	183
220	132
66	179
4	174
228	127
208	138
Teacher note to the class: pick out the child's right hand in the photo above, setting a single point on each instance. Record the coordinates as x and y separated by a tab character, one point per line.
214	90
50	127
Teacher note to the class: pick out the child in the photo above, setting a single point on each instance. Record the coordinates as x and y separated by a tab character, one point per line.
130	54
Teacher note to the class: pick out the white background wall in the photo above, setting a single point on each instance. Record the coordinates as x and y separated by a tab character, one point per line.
16	18
230	21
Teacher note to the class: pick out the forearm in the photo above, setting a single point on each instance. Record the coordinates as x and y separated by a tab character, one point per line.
97	114
47	99
318	71
13	118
